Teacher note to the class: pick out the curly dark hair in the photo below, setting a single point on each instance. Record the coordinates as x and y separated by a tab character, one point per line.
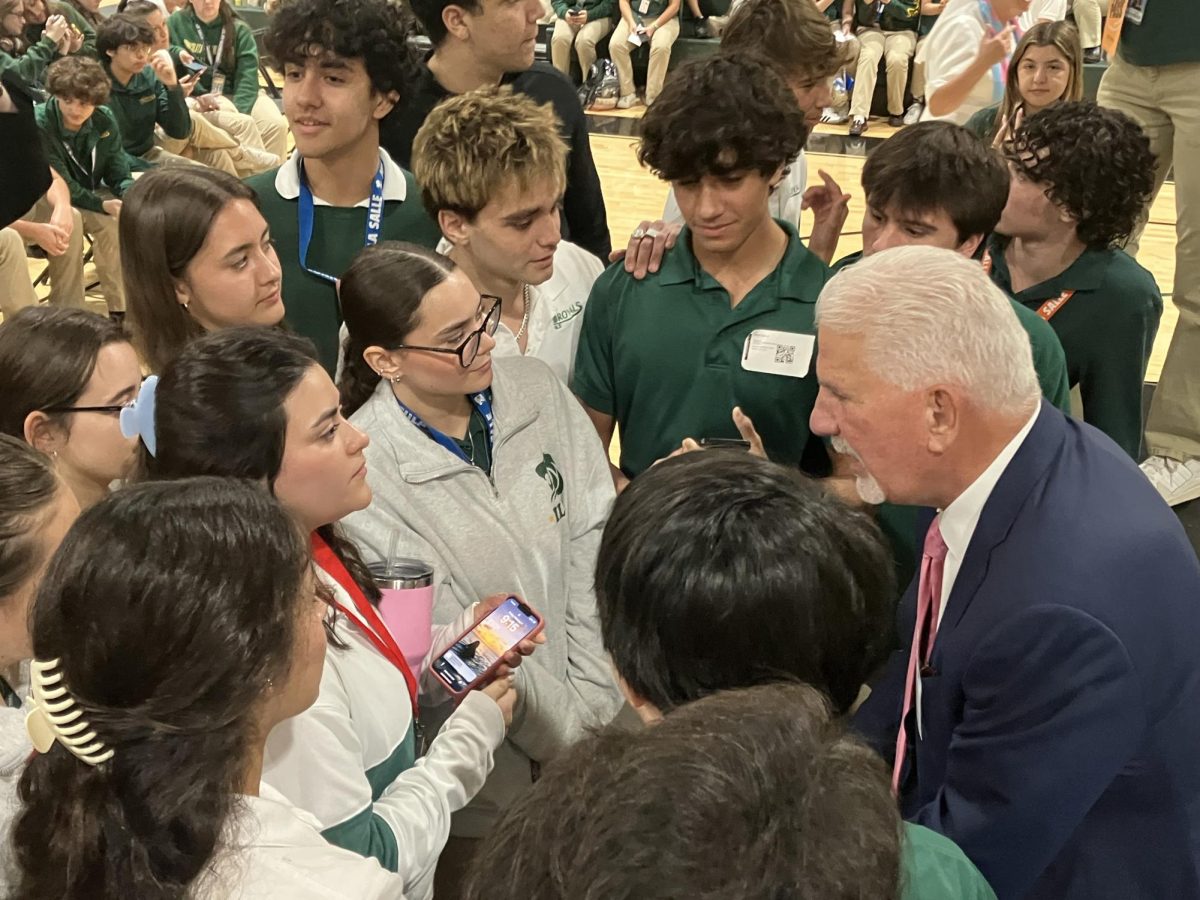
1095	162
375	31
754	794
721	115
146	607
78	78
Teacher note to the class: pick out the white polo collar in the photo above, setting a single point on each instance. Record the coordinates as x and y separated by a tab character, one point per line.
395	185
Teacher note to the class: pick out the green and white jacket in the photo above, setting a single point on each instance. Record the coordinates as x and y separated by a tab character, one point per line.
532	528
350	760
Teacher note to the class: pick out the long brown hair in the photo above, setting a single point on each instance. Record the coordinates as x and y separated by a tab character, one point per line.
1064	38
165	218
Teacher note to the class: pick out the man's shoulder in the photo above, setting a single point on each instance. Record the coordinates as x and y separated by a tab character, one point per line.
1128	278
542	81
263	184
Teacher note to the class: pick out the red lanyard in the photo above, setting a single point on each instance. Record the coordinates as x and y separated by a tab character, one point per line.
1047	309
373	628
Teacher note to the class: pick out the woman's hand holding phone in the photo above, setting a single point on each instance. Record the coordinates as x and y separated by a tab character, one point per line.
511	659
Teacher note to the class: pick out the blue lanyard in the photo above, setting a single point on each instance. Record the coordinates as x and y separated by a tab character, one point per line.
374	219
483	403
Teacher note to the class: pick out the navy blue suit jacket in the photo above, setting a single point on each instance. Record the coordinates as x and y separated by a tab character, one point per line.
1061	746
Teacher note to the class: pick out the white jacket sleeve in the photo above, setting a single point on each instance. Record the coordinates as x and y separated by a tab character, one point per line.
552	714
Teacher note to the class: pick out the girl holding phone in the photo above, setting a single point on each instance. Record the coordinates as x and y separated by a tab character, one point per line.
255	403
213	34
486	469
65	376
179	680
197	257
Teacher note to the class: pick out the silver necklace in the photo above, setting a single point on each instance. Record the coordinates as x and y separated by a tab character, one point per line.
525	317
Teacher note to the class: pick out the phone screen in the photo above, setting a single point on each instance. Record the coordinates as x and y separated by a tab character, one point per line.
196	67
477	650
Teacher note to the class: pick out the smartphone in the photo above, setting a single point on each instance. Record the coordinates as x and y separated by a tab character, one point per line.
724	443
472	658
195	67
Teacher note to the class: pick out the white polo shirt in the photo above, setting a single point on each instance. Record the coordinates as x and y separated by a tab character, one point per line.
951	46
556	316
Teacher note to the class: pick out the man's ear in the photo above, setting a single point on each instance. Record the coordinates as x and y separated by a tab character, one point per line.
970	246
457	21
647	711
385	103
454	227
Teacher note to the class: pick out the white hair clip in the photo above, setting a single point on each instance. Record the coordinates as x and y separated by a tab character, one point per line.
53	716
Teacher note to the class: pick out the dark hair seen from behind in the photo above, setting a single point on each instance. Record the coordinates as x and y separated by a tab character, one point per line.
751	794
172	607
720	570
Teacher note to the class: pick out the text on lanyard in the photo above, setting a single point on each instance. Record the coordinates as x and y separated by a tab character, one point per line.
373	227
482	402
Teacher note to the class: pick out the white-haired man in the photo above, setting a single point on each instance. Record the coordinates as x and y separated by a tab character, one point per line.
1045	714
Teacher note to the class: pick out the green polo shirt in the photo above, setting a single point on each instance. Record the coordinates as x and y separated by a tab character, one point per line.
91	159
1107	329
1168	34
982	124
664	355
337	237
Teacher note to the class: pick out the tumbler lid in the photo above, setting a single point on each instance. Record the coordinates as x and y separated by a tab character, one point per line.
403	573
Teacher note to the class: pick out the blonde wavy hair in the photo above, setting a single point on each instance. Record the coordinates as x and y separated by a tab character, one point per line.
475	144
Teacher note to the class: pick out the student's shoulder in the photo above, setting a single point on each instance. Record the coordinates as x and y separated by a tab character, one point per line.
578	261
542	81
263	184
104	120
1129	275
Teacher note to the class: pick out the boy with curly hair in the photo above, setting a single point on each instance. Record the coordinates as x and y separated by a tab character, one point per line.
345	64
727	320
83	143
1081	175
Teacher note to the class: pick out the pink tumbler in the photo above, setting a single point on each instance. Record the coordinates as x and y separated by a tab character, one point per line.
407	605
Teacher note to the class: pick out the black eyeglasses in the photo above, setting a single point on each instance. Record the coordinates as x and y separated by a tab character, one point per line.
469	348
114	410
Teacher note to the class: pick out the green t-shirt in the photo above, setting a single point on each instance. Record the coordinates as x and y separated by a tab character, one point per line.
664	356
1169	33
337	236
1107	330
932	867
203	40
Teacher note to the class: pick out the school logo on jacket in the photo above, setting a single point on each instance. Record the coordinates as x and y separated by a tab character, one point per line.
548	469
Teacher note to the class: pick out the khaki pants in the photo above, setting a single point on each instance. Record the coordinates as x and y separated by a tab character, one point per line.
223	140
1165	102
584	37
897	48
660	57
1087	19
271	125
163	157
106	254
918	75
66	271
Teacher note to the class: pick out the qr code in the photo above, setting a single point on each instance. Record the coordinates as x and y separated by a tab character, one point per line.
785	353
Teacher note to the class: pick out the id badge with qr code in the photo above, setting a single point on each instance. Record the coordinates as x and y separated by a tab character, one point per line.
644	7
218	84
778	353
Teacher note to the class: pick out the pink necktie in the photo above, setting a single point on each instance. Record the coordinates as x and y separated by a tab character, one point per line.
929	601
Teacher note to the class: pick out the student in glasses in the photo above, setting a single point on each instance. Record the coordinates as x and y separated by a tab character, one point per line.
65	376
487	469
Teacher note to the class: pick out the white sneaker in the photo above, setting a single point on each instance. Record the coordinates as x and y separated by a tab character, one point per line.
1178	482
629	101
913	115
831	116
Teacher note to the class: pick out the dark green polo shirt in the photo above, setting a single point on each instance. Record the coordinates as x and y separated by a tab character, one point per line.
1049	360
1107	329
663	356
1168	34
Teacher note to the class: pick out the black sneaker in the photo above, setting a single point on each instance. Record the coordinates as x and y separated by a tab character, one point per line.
896	121
1092	55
